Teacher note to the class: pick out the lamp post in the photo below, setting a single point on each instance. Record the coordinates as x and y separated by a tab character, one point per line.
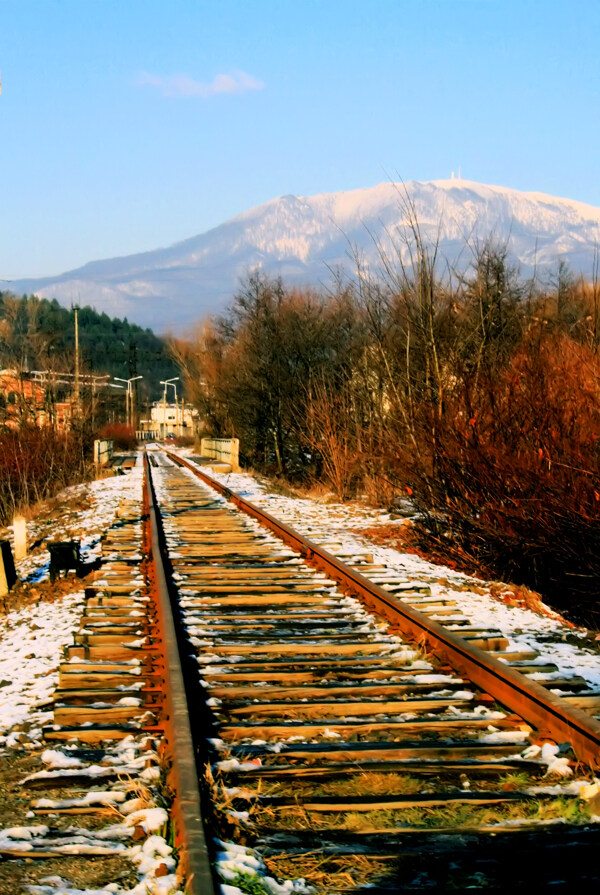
128	396
166	383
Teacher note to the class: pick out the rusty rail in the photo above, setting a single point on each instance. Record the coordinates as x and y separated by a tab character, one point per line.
548	714
183	774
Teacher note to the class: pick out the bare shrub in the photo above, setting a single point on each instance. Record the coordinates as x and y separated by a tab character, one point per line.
516	480
329	430
37	463
123	436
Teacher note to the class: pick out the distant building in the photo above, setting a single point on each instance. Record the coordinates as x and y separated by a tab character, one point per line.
178	420
25	399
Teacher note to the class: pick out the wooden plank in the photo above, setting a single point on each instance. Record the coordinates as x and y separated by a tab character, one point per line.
254	588
245	614
235	559
97	810
290	649
110	652
102	667
280	636
589	702
66	715
293	677
40	851
364	753
287	599
110	626
328	690
291	573
93	640
127	613
259	730
95	736
437	767
443	613
102	681
335	708
238	549
491	644
339	665
425	604
391	802
518	655
284	629
125	602
87	695
118	589
116	621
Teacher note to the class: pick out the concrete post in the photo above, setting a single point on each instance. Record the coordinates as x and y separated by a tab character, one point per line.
235	455
20	537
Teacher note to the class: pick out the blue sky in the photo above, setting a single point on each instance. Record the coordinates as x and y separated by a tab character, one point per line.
131	124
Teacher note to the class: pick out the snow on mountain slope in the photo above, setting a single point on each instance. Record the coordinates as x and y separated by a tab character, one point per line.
304	238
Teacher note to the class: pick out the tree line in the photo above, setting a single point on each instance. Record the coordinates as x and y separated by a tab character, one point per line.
37	333
476	395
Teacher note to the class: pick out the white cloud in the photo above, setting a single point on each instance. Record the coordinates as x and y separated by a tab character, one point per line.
182	85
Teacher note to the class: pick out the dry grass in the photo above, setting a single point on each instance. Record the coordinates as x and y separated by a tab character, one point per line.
453	816
328	872
362	783
522	597
514	780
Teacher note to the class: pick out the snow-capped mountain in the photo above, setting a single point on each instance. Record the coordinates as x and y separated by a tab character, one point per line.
304	239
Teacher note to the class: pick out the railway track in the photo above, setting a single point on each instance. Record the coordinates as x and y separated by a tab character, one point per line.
316	718
343	752
96	808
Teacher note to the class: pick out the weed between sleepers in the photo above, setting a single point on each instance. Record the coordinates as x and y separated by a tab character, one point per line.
366	783
375	783
452	816
328	872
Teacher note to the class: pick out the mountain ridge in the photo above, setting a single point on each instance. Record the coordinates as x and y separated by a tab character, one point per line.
304	238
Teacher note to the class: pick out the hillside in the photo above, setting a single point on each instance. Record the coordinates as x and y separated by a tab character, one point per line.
40	334
305	238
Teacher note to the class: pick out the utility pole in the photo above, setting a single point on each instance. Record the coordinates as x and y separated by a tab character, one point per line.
76	388
133	391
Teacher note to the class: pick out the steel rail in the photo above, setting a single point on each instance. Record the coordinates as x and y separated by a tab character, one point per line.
183	775
551	717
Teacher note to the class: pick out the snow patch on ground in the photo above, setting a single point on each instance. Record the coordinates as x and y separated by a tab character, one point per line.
30	652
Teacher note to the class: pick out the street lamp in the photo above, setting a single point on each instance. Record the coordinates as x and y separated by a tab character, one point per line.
166	383
128	396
